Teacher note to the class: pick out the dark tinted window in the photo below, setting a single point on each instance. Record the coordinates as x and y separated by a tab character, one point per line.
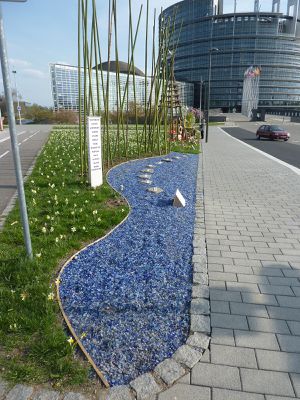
276	128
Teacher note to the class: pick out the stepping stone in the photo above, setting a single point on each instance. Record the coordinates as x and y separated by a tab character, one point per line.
145	176
150	166
146	181
167	159
156	190
148	170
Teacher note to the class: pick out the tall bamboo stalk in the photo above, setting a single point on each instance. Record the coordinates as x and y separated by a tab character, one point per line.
153	137
134	83
146	80
100	63
117	77
90	66
108	144
85	56
79	86
96	56
153	73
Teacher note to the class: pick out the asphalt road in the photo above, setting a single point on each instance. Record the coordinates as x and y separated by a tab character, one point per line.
288	152
31	139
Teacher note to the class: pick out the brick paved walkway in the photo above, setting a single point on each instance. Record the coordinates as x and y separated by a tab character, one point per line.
252	211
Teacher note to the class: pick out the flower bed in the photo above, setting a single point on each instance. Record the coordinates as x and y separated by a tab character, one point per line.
127	296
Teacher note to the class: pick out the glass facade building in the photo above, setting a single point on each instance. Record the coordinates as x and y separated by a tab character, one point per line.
65	92
270	40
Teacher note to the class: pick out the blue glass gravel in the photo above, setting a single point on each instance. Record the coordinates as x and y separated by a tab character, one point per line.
130	293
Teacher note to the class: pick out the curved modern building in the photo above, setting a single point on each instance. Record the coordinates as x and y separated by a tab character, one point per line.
235	41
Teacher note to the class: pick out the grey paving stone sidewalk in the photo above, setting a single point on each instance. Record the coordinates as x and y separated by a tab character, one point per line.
252	216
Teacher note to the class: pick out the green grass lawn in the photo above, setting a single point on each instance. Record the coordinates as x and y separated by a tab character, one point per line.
65	214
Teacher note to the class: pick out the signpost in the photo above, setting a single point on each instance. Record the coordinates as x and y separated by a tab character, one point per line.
13	134
95	151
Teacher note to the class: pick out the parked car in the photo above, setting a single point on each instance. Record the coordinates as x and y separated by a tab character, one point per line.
272	132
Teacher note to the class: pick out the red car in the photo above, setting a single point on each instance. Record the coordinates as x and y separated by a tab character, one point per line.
272	132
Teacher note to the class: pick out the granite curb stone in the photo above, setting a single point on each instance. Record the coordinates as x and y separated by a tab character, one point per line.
187	355
46	395
145	387
119	393
3	388
169	371
20	392
74	396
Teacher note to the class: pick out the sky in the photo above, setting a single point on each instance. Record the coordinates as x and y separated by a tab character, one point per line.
40	32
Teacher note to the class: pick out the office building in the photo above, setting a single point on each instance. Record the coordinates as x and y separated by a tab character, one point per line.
65	92
269	40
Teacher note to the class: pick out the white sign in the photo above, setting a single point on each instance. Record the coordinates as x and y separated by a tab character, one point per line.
19	108
95	151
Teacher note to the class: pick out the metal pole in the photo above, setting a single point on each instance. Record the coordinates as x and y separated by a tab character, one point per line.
13	137
200	106
17	94
208	96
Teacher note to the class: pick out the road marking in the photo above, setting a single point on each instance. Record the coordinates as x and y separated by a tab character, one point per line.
31	136
19	134
4	154
294	169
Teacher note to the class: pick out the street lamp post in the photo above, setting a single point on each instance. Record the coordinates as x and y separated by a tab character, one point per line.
212	50
17	94
200	106
13	135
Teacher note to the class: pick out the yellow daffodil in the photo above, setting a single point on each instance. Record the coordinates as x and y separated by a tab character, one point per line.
51	296
71	341
23	296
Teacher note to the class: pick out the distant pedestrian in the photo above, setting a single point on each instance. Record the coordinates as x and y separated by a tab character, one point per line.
202	129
